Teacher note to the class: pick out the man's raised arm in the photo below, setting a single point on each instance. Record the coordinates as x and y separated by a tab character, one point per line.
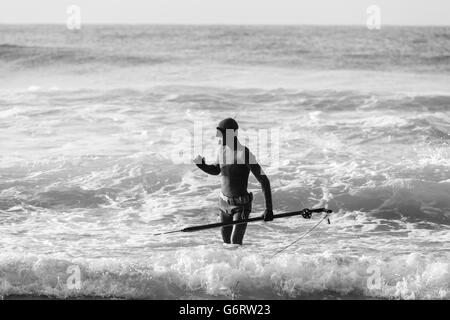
213	169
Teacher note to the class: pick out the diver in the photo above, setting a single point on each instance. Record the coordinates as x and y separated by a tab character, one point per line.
234	163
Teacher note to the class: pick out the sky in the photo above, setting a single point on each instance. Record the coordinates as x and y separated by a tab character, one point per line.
322	12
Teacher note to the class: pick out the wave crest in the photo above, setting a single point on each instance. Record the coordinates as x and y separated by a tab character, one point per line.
230	274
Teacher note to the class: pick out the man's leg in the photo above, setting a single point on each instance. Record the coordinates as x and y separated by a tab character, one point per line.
239	229
226	231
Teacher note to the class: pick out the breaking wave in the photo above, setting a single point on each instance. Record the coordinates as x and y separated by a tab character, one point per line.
221	273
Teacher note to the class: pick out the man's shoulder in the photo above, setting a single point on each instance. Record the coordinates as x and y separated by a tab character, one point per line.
249	156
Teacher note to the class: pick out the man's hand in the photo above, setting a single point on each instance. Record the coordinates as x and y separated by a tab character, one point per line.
199	160
268	215
213	169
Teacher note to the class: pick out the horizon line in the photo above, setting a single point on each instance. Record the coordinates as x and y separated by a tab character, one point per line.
220	24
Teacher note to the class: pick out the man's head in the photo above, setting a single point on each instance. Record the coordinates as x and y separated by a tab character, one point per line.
227	128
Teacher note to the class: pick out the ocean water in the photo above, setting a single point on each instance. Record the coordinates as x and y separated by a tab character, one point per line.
87	174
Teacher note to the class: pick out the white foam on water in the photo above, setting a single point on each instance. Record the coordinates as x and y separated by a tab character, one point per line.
215	273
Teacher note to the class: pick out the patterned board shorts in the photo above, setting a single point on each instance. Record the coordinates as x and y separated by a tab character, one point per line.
237	212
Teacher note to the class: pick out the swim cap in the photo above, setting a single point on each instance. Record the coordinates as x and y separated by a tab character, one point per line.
227	123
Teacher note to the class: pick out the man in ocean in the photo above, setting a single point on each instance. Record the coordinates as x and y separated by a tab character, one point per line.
234	163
